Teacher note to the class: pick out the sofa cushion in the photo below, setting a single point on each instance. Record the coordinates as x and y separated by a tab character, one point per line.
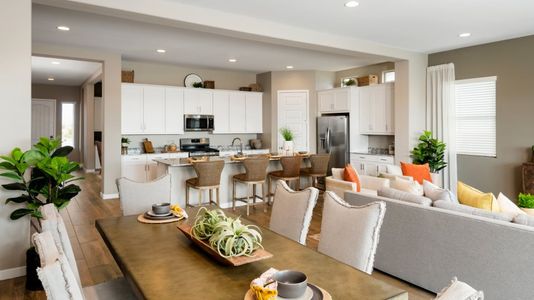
436	193
394	176
404	196
337	173
524	219
407	186
393	170
418	172
507	206
468	195
349	174
472	211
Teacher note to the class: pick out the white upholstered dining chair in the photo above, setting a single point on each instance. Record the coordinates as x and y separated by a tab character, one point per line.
53	226
350	233
138	197
292	211
458	290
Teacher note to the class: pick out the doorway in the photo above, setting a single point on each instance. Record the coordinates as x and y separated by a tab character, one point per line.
43	119
293	113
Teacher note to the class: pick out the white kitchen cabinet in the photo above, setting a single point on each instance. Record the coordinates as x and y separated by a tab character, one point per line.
377	109
133	167
152	166
221	111
254	108
174	110
198	101
326	101
153	110
132	109
237	114
371	165
335	100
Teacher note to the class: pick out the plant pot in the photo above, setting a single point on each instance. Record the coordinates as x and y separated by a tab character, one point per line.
437	179
528	211
288	148
32	263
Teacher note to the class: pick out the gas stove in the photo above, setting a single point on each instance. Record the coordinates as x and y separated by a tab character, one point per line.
198	147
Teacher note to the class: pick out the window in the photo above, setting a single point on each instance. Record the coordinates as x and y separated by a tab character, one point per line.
388	76
67	124
476	116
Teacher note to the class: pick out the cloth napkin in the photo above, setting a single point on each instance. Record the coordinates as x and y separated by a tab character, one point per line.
265	293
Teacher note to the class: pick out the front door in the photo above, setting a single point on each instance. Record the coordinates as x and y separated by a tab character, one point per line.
43	119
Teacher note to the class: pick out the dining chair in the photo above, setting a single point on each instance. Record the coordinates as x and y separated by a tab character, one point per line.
255	173
292	211
290	172
138	197
350	233
458	290
208	178
318	169
53	226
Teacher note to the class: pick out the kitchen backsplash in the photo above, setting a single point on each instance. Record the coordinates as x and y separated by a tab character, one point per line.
159	141
381	141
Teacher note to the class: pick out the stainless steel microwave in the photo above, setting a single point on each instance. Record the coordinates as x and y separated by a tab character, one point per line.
198	123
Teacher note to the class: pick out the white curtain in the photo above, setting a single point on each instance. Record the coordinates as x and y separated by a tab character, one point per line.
441	116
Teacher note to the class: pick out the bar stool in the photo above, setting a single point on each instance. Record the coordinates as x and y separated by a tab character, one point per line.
208	178
290	172
319	168
256	173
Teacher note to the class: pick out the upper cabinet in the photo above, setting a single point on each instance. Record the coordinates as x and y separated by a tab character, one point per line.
377	109
334	100
198	102
153	109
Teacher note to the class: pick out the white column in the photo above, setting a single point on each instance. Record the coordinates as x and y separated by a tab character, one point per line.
15	124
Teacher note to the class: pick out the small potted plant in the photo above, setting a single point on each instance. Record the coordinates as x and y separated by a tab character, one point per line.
288	146
526	203
431	151
350	82
124	145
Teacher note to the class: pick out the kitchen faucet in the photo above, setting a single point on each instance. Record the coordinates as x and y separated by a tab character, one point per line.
240	144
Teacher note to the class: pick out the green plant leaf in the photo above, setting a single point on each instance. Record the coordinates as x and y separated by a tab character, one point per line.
8	166
19	199
12	175
63	151
33	156
19	213
16	186
9	159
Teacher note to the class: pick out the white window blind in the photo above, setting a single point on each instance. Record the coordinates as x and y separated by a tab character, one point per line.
476	116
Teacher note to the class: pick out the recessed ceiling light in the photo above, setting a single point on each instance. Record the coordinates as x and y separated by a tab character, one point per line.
55	62
289	67
232	60
50	78
464	35
63	28
352	4
161	50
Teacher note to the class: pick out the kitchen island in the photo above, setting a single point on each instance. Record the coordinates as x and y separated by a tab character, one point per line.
181	170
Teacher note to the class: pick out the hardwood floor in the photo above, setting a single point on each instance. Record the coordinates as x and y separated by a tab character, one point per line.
96	264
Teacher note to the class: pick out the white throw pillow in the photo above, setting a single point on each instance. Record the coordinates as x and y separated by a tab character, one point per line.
394	170
412	187
458	290
436	193
508	207
337	173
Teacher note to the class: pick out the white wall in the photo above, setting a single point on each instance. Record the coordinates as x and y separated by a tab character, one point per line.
15	123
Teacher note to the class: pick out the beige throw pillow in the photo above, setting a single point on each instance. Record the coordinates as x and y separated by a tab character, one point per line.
508	207
412	187
436	193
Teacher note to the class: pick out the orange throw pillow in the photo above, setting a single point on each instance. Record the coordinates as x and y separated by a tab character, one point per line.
418	172
349	174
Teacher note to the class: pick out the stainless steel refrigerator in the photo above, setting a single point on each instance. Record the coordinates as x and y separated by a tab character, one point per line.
333	138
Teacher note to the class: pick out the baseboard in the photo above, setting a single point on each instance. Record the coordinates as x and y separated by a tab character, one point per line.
109	196
12	273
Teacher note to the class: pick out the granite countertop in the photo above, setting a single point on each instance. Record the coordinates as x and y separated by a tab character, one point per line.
185	162
366	153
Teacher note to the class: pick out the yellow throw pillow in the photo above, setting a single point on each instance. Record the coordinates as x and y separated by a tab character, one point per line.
468	195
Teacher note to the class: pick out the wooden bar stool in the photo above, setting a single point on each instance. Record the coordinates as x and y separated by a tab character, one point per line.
319	168
208	178
290	172
256	173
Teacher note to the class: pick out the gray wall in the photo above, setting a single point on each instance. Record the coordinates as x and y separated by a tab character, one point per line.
15	124
511	61
62	94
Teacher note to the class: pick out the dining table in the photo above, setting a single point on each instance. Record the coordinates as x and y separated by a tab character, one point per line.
161	263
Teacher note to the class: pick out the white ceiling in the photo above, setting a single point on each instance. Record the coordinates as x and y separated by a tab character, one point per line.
417	25
138	41
67	72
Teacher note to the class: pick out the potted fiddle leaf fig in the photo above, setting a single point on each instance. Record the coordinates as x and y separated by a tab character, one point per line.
432	151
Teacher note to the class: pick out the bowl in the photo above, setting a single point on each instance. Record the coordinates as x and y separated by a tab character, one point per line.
291	284
161	208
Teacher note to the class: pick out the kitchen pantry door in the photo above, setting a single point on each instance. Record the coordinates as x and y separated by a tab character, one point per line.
43	119
293	114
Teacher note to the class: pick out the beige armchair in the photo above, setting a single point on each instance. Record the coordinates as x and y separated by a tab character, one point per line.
370	184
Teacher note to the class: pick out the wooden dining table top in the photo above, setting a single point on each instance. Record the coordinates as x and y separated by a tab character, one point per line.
161	263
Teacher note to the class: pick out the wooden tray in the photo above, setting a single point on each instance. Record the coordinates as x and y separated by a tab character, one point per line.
142	219
259	254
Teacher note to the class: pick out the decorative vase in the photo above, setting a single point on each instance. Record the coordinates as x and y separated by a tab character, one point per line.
528	211
288	148
437	179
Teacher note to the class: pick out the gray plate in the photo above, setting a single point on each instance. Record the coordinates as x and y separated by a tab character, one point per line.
171	216
317	294
152	214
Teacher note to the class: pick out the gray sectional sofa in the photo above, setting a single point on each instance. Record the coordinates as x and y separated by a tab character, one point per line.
427	246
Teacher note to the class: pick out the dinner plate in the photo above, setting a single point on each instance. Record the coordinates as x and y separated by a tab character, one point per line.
166	217
152	214
312	293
